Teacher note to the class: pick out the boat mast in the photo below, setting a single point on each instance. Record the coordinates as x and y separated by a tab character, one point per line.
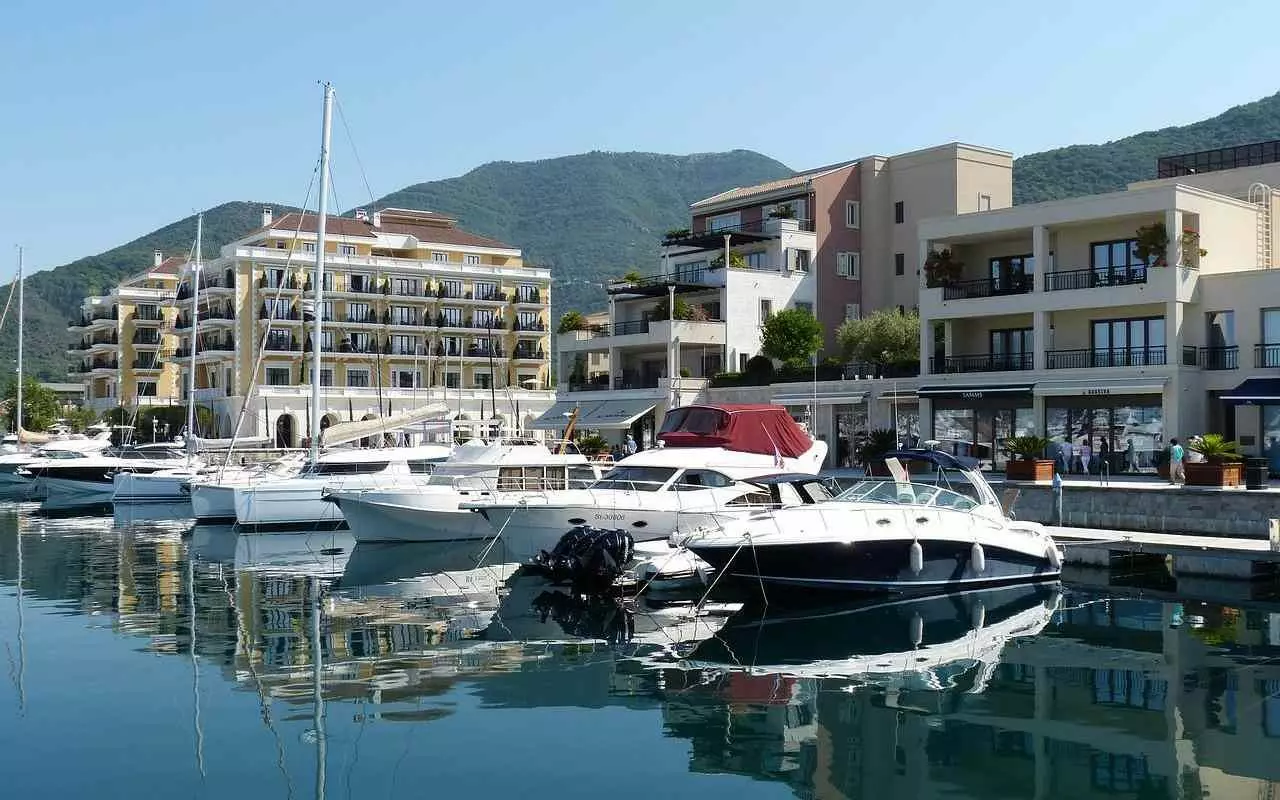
317	318
18	413
195	337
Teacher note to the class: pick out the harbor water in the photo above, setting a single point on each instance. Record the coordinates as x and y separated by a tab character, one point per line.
144	656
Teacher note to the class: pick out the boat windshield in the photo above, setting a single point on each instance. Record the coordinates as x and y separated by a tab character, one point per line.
346	467
921	494
635	479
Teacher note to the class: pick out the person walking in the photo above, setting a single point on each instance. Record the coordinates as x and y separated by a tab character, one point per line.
1086	453
1177	467
630	447
1130	457
1104	455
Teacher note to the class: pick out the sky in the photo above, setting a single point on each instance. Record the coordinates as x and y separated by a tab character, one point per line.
118	118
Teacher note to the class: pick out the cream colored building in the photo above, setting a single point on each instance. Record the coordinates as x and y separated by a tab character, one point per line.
125	342
415	311
1056	326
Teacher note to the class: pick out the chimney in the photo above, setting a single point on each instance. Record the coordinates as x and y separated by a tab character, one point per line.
266	216
362	215
157	258
377	219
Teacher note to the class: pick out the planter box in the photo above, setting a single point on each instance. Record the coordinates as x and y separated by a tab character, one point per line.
1202	474
1039	469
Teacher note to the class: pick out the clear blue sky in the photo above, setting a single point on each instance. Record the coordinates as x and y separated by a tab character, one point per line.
116	118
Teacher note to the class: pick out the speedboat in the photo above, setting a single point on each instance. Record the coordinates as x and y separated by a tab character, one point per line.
897	535
72	446
426	509
213	495
701	470
68	482
299	502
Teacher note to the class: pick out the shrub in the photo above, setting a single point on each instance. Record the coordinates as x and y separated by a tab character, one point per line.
1026	448
1216	448
571	321
879	442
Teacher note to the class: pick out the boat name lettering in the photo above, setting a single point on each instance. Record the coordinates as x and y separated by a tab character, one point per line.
608	516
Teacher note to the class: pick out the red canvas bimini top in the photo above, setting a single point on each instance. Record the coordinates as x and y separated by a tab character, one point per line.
764	429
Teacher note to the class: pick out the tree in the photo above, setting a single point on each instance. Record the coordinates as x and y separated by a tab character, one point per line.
80	418
791	336
571	321
883	338
683	310
40	407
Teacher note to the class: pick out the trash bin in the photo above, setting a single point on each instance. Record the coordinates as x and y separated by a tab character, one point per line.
1256	473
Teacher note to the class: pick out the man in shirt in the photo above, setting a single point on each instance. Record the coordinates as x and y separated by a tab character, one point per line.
630	447
1177	468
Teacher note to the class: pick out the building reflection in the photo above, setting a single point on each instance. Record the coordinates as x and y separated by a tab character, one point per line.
1117	698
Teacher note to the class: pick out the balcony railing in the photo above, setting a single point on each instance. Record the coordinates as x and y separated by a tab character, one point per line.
1066	280
538	326
757	227
1266	355
1119	357
1220	357
987	287
141	337
991	362
528	354
139	363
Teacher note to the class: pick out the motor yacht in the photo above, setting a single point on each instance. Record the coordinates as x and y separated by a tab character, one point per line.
707	453
68	482
70	446
299	502
426	508
897	535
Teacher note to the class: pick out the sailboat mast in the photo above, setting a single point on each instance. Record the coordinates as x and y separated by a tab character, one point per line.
317	320
21	314
195	337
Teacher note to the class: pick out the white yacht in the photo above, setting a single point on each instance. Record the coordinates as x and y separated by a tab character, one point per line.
72	446
68	482
707	455
299	502
886	536
427	510
213	495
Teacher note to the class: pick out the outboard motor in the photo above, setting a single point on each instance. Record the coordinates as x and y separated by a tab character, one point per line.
587	617
589	558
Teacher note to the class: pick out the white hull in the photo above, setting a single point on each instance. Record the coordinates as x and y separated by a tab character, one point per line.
141	488
426	515
213	502
64	492
279	508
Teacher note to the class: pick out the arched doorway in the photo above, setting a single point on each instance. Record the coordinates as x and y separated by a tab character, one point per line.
229	278
285	430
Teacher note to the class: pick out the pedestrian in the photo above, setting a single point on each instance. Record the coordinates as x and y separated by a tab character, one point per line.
1068	456
630	447
1130	457
1086	452
1177	470
1104	455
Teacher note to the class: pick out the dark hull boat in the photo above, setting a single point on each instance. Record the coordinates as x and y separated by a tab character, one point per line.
880	536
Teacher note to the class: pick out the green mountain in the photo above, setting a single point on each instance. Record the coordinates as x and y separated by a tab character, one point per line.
1094	168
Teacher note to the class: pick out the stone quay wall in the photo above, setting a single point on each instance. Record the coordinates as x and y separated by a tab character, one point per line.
1156	509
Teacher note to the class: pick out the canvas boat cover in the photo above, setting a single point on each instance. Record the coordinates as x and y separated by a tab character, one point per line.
764	429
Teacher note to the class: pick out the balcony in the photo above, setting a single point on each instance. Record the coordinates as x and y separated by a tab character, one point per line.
1120	357
145	365
141	339
1266	356
493	297
1218	358
533	298
987	287
529	327
1067	280
991	362
147	318
528	354
744	233
644	333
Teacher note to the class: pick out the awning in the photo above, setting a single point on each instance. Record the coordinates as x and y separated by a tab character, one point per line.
1254	391
801	398
898	397
554	418
615	414
1095	387
975	392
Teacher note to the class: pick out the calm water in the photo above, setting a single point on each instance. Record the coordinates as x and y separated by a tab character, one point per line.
147	659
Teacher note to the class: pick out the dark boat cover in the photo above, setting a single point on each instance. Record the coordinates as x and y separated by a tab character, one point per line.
764	429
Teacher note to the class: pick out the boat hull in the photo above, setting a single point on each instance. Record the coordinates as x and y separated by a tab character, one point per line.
875	566
65	492
398	516
530	529
132	487
259	509
211	503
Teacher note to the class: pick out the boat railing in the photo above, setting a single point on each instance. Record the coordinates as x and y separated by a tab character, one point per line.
903	493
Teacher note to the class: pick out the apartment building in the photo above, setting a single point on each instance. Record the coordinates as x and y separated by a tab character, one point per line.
863	214
1053	318
124	340
415	310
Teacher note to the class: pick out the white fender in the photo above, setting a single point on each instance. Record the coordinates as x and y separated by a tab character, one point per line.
917	630
915	558
977	558
978	616
1055	556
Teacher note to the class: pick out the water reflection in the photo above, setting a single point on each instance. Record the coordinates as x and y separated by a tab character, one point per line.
273	665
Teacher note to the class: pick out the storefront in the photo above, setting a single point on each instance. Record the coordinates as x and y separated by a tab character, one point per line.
1256	418
902	410
975	421
1118	425
840	421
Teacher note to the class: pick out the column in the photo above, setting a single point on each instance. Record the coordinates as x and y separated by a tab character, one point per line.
1039	340
613	351
926	419
1174	407
1173	226
1040	251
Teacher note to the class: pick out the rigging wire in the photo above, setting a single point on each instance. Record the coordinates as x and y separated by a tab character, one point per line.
354	152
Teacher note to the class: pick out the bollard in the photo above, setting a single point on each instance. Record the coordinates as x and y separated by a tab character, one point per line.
1057	499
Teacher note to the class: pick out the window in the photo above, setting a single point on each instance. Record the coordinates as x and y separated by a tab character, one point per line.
439	257
359	343
451	289
308	247
852	311
800	260
1221	328
695	479
1116	262
899	263
346	249
326	310
806	307
1269	352
404	315
275	278
483	380
1011	274
359	283
485	318
146	388
984	202
452	380
451	316
278	376
756	260
722	222
899	213
358	312
406	379
635	479
486	291
852	214
849	265
407	287
471	259
326	340
743	358
527	293
1011	348
326	376
357	377
404	345
766	309
711	364
528	320
1128	342
279	340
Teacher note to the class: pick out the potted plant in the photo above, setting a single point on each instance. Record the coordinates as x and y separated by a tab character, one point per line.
1026	459
1191	244
783	211
1222	466
592	444
879	442
1152	244
941	268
